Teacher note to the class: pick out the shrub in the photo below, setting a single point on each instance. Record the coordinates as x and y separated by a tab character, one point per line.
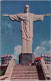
1	72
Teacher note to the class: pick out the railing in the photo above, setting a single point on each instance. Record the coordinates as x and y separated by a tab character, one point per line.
43	70
9	70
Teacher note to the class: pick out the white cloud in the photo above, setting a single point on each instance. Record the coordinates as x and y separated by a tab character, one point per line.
50	41
8	27
46	43
7	24
43	48
17	51
0	64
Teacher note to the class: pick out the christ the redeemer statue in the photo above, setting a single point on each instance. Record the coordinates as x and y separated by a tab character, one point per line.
26	19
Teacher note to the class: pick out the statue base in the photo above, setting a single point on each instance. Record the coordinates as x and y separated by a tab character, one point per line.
25	58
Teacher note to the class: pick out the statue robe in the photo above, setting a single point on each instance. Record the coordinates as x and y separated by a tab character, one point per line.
26	20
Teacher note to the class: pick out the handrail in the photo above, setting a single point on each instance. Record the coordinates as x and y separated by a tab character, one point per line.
9	70
43	70
3	77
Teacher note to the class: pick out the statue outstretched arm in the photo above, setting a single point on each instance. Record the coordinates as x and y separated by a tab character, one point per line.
47	14
13	17
5	15
40	17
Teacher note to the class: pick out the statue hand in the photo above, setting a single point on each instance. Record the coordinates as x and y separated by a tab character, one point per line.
5	15
47	14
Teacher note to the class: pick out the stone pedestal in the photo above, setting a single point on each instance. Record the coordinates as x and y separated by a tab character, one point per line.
25	58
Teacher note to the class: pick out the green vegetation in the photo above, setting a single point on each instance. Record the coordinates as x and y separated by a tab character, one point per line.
1	72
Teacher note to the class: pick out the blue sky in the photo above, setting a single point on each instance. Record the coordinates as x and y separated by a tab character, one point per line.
10	31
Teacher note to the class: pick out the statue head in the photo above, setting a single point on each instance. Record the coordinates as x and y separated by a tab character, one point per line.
26	9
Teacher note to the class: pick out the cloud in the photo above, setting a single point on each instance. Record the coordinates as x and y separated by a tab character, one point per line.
17	51
43	48
0	64
46	43
8	27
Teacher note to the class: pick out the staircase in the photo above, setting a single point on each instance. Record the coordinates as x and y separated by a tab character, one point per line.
24	72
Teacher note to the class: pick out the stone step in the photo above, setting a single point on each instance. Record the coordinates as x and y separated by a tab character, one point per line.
24	77
24	66
25	69
25	72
